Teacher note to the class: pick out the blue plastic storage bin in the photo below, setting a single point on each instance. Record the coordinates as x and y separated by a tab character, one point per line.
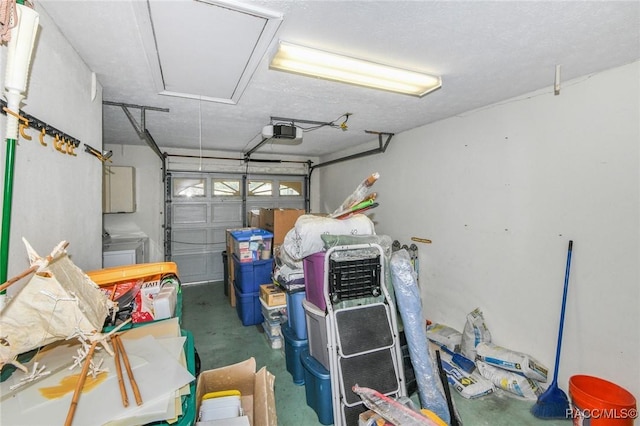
251	244
296	317
251	234
249	276
293	348
248	307
317	384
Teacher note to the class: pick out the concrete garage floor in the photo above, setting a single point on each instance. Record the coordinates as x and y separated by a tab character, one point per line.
221	339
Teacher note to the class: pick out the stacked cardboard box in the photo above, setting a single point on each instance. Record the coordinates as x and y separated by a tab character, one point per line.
279	222
253	218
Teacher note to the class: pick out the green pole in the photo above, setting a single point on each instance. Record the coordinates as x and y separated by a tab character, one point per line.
6	208
6	204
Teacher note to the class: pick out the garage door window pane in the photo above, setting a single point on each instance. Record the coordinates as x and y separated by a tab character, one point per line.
260	188
188	187
290	188
226	188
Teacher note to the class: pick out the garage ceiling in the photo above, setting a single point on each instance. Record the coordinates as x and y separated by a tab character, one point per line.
208	62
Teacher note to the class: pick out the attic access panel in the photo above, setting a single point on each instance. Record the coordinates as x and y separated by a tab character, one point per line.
204	49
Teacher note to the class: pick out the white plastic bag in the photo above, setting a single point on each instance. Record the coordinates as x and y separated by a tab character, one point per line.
512	361
475	331
513	383
469	385
445	336
305	238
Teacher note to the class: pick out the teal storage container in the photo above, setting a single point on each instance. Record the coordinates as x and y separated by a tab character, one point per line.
317	384
293	348
296	317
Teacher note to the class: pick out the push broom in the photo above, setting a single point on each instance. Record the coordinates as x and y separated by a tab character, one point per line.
553	403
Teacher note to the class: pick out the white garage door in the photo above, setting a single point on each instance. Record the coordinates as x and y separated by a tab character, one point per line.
202	206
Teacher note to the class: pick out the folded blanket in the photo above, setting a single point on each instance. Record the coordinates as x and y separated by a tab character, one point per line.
285	274
304	238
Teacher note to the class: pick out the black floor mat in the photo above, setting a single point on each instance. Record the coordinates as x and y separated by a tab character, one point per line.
363	329
374	370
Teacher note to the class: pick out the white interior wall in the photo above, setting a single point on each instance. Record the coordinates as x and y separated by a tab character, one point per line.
148	217
500	191
56	197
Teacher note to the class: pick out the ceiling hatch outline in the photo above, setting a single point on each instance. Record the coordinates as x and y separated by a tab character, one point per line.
182	41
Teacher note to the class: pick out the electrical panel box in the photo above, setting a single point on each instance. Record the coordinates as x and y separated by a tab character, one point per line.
119	189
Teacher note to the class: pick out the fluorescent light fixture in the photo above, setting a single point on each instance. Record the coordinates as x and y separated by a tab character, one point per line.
330	66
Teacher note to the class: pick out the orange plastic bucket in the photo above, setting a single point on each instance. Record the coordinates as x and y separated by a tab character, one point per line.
597	402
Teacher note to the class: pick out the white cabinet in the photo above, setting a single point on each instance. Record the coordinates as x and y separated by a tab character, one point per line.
123	253
119	189
118	258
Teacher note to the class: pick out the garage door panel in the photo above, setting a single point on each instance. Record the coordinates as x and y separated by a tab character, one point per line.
189	240
192	267
257	205
226	212
198	224
191	213
217	267
220	235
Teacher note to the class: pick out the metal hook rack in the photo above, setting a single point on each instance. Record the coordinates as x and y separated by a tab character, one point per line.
40	125
102	156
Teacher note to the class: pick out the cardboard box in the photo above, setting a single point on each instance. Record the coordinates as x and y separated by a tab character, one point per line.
370	418
279	221
272	295
253	218
256	388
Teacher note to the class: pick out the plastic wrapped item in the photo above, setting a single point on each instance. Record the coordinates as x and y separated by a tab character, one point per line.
391	410
507	359
358	195
408	299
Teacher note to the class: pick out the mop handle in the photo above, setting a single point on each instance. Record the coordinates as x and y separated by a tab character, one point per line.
564	305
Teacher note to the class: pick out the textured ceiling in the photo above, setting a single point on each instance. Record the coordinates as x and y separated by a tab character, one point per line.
485	52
